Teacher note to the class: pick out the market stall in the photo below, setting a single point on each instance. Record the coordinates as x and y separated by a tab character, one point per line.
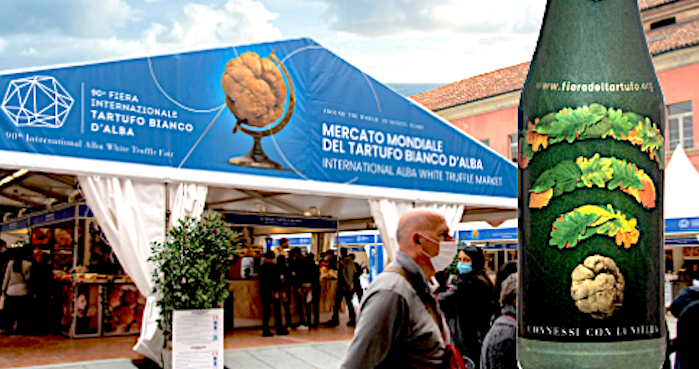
94	296
154	139
243	283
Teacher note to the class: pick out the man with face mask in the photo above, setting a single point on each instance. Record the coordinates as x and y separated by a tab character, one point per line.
394	327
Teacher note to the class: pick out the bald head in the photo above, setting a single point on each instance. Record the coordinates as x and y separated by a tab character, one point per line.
416	221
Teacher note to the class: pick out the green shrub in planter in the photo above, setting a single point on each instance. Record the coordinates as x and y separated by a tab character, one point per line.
191	267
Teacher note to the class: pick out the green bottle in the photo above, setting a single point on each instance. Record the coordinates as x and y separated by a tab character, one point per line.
591	122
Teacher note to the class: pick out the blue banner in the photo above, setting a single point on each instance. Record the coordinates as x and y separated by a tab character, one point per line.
54	216
14	225
294	241
683	241
280	110
682	225
359	239
488	234
281	221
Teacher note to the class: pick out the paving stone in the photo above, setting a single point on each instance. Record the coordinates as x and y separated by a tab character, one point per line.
276	357
241	359
313	357
334	349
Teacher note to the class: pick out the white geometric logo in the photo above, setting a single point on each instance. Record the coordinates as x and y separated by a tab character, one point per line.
38	101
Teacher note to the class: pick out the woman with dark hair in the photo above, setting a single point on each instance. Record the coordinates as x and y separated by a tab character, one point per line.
467	305
16	292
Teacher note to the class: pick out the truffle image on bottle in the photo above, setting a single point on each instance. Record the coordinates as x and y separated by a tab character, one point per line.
598	286
256	94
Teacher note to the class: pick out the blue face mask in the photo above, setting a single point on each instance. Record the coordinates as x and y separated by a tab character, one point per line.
464	268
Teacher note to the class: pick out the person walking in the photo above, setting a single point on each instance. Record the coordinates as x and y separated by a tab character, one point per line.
357	274
314	277
399	324
467	305
299	275
499	349
40	286
16	292
345	290
686	309
286	287
270	294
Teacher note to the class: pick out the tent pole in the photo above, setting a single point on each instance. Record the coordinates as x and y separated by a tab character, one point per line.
167	211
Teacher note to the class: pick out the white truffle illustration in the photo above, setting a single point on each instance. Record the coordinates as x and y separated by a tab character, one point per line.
598	286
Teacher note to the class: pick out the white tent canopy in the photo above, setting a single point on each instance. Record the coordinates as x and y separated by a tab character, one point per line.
353	149
681	187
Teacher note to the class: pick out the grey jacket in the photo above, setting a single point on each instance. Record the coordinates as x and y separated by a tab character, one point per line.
499	347
394	328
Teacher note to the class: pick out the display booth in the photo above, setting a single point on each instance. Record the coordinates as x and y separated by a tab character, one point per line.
243	283
283	128
95	297
366	245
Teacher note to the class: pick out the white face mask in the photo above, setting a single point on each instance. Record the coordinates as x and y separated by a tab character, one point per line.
445	256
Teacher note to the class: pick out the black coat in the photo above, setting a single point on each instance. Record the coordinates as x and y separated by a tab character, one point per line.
270	279
686	309
467	307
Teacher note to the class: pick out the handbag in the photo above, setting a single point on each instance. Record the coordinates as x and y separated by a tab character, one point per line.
6	284
279	295
453	358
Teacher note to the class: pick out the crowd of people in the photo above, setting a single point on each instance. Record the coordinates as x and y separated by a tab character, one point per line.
26	290
298	278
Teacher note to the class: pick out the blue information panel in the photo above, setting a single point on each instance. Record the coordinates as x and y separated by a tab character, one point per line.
11	226
53	216
488	234
280	110
281	221
683	241
682	225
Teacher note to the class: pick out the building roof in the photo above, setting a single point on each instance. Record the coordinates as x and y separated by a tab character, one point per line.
502	81
647	4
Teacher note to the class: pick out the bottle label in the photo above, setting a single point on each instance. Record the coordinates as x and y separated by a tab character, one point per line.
591	223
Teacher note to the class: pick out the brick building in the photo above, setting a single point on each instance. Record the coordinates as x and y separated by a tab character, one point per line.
485	106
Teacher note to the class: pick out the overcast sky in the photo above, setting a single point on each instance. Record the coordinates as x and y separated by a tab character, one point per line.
394	41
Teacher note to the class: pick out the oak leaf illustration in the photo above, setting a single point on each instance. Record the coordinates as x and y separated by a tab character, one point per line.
540	200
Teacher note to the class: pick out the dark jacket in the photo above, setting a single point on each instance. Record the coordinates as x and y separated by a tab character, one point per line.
467	307
270	279
313	271
499	347
345	275
357	273
686	309
299	272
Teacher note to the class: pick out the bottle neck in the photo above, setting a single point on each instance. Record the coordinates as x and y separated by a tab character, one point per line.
590	22
588	41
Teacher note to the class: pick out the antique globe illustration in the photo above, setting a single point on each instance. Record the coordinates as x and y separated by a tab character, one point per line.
256	95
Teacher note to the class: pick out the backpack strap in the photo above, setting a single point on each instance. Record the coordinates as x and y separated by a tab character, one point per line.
431	307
